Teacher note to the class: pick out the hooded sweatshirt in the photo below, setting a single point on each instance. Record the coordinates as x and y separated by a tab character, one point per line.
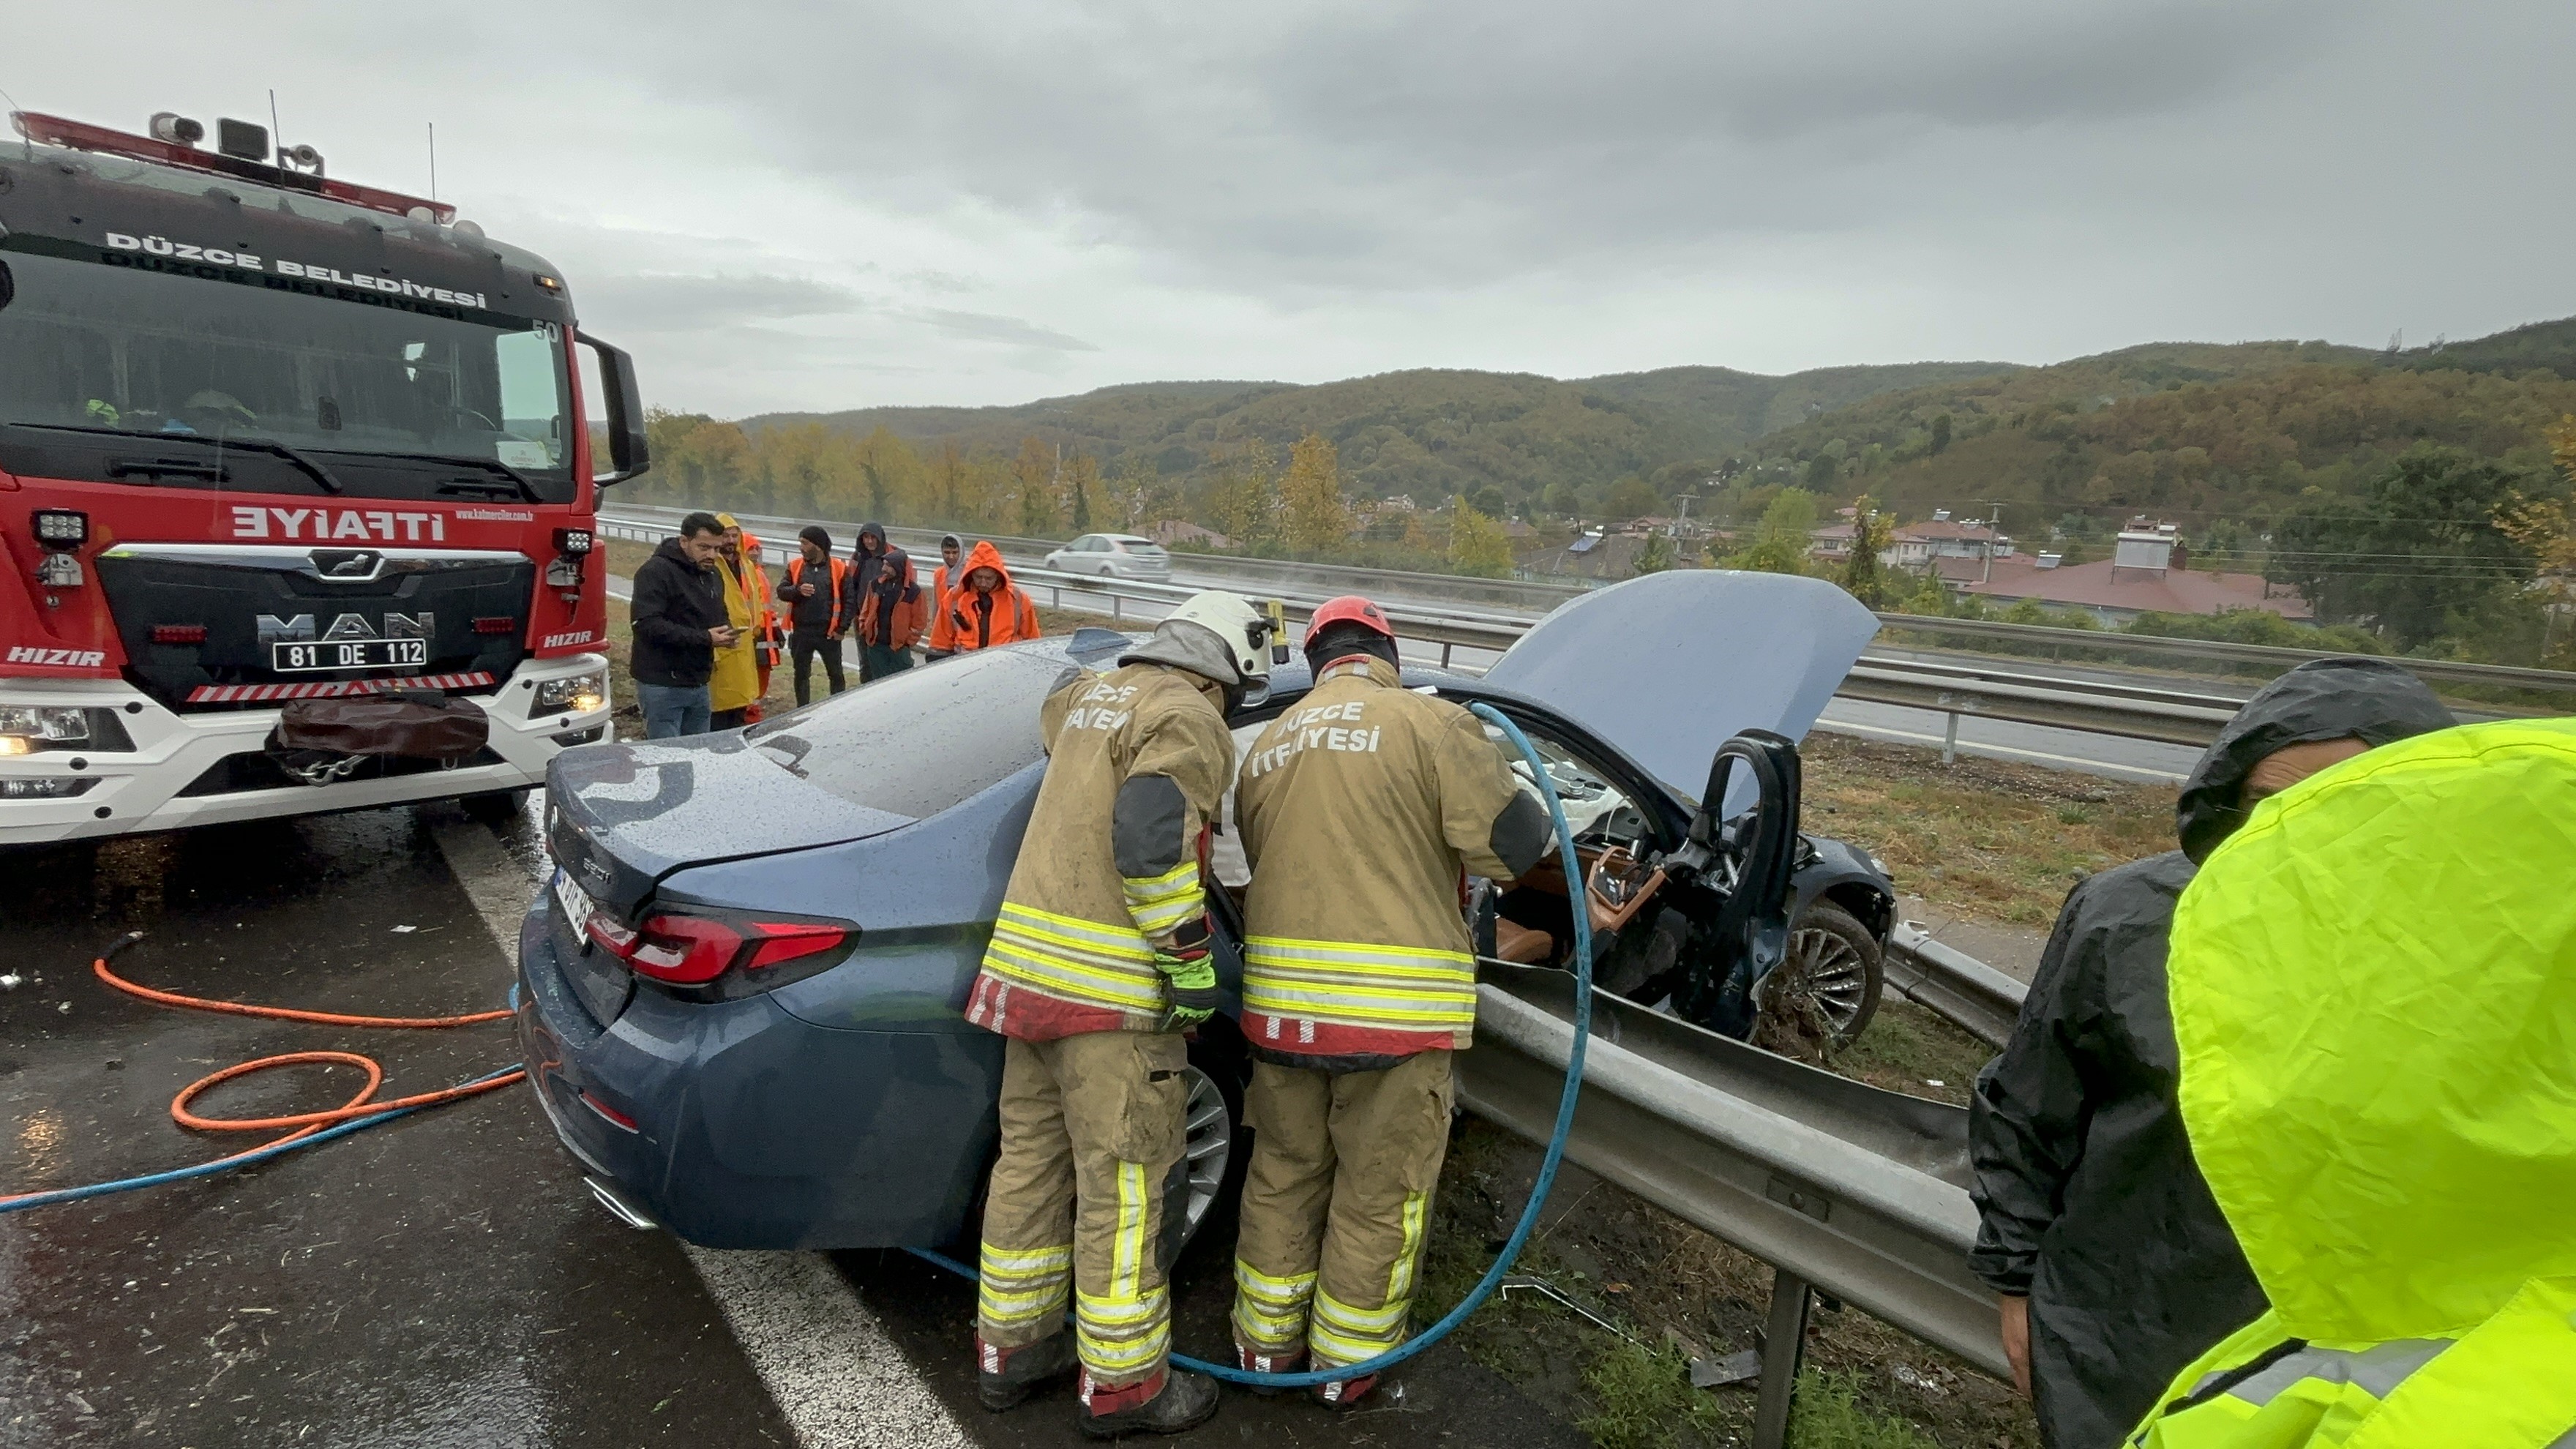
973	620
889	609
2088	1198
2374	989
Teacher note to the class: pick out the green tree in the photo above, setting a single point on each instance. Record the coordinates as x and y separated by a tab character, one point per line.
1780	545
2421	553
1561	500
1657	555
1631	497
1478	547
1873	533
1940	433
1315	518
1034	472
1080	477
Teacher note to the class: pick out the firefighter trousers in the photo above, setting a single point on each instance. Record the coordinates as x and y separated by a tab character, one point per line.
1336	1204
1091	1148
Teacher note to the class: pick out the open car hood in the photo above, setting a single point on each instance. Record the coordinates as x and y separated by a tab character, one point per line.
1669	666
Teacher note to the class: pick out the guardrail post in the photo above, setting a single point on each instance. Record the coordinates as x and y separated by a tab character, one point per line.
1444	656
1784	1345
1113	607
1950	739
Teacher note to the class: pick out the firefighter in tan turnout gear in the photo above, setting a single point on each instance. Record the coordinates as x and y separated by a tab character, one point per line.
1361	808
1098	964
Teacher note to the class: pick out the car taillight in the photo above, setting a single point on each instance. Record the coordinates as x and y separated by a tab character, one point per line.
178	633
496	624
679	950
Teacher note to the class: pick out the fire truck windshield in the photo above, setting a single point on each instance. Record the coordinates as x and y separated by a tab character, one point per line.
125	375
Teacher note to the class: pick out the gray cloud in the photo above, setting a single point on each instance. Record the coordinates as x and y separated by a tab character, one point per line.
1017	332
677	302
1396	146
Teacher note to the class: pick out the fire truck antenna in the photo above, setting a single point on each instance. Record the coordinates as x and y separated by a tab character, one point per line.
433	163
274	138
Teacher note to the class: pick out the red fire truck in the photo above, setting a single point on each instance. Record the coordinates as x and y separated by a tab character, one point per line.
267	436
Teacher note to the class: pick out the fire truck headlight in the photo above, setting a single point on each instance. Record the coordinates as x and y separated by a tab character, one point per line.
573	694
63	529
35	726
574	542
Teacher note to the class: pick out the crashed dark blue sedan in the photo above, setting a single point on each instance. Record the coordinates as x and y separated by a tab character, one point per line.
741	995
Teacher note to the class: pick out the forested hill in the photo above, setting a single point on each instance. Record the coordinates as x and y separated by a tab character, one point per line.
2205	429
1428	433
2194	433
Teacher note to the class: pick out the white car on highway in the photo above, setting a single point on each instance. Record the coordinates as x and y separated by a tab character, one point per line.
1112	556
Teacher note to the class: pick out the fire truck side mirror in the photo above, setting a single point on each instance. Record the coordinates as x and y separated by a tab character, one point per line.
628	452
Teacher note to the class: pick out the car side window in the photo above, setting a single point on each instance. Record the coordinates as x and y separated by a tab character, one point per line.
1599	811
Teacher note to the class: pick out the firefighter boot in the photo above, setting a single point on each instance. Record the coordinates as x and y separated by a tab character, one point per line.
1005	1377
1342	1395
1253	1360
1186	1401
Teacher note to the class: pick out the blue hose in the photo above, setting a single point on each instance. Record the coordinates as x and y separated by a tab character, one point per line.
1493	1278
209	1169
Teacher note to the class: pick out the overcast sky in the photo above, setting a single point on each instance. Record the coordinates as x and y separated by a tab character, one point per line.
831	205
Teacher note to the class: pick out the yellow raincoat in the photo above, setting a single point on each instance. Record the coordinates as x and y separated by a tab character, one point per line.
2374	989
736	681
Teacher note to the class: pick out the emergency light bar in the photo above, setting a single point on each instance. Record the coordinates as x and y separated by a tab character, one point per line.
56	131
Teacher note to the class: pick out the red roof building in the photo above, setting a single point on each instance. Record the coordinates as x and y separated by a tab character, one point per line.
2115	593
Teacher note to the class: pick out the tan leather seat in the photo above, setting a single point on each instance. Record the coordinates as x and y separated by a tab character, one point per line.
1522	946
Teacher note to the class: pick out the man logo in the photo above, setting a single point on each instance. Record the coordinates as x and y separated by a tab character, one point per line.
298	628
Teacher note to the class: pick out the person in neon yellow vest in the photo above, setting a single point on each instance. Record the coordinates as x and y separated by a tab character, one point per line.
2374	989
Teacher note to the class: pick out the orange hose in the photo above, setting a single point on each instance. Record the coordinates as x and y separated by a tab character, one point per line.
301	1124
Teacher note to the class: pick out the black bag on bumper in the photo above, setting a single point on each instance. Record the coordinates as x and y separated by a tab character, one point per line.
321	740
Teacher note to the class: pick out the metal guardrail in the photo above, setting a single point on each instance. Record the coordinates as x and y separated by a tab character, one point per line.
1844	1188
2204	650
1950	689
1953	985
1340	579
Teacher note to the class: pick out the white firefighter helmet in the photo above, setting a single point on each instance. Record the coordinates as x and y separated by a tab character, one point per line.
1241	631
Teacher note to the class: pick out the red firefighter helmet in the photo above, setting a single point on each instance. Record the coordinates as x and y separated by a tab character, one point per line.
1348	609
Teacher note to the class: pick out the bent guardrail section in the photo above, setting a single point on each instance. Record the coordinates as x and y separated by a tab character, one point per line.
1953	985
1860	1193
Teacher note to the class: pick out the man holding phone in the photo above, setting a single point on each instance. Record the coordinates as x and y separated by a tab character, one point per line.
680	622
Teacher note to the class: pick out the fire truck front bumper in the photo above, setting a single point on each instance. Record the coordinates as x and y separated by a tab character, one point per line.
82	759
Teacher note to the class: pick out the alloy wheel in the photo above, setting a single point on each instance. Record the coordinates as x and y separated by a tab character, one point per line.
1207	1144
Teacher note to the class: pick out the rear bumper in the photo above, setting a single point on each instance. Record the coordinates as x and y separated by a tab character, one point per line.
752	1128
161	784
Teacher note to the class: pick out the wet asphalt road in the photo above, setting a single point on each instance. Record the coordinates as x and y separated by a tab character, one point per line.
445	1279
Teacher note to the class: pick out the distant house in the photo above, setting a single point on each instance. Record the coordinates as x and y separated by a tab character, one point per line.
1173	531
1833	541
2146	573
1918	544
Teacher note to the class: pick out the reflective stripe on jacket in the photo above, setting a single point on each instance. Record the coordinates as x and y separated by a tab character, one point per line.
2373	985
1361	809
1071	951
837	577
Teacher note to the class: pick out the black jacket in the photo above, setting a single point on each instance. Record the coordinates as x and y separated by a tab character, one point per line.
675	604
817	614
2087	1195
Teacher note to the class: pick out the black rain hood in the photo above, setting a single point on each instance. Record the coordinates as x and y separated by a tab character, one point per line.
2088	1198
872	530
2371	700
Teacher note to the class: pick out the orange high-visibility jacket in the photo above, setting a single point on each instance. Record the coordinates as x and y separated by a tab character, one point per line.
838	575
969	620
910	611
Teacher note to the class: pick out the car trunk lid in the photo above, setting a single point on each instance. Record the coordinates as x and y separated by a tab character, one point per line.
1670	666
620	817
